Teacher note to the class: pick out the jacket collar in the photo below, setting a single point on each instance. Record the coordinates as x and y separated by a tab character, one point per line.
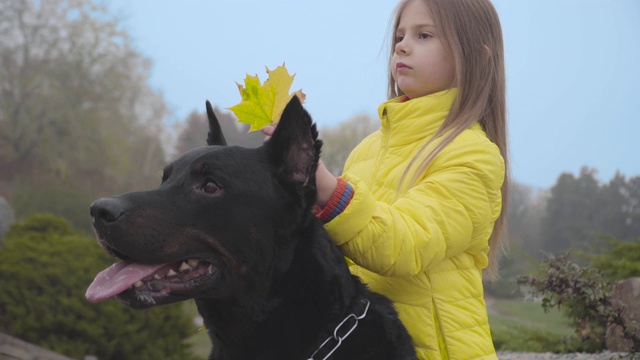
416	119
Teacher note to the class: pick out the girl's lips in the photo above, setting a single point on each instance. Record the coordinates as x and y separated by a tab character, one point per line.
402	66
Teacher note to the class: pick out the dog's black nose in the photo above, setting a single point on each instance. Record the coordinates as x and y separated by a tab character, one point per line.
106	210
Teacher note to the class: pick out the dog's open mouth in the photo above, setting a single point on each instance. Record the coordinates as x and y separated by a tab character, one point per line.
147	282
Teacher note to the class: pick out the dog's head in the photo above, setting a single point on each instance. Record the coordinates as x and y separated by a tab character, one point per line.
222	223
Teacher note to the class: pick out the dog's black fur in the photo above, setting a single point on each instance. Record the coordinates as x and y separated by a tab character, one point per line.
276	285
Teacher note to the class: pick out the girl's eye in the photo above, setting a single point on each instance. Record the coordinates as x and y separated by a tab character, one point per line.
424	36
210	187
399	38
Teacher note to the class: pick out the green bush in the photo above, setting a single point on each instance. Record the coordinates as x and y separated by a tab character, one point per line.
616	259
45	268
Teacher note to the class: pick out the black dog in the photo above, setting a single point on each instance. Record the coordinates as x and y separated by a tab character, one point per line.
233	229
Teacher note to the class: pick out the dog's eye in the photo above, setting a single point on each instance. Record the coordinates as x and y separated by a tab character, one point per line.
210	187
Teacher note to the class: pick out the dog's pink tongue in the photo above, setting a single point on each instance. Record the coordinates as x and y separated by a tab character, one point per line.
117	278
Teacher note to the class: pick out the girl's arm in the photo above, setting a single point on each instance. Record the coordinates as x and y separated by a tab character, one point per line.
451	210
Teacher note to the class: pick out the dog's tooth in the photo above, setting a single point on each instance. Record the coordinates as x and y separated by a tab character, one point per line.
172	273
157	277
184	266
193	262
138	284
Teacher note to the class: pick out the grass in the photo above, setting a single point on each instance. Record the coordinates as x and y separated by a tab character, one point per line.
520	325
523	313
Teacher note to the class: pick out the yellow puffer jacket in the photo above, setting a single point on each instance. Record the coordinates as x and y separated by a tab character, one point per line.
425	247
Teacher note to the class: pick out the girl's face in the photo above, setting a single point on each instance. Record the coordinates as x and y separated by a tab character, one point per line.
420	64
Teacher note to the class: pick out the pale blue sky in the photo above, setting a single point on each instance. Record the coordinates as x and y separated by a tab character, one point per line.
573	67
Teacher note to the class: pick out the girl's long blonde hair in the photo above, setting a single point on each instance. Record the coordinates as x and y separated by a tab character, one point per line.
471	31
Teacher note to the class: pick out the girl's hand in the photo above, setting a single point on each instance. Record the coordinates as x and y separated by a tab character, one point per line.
326	183
267	131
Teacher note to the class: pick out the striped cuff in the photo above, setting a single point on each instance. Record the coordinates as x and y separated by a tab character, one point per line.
339	200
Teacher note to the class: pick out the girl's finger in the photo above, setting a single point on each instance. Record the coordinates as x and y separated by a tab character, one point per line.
267	131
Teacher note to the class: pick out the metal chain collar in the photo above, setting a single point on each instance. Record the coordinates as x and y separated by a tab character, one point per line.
337	339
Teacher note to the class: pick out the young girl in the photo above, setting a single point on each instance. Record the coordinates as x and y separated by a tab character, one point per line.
418	207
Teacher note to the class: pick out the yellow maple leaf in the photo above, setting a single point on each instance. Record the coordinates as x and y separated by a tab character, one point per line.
262	105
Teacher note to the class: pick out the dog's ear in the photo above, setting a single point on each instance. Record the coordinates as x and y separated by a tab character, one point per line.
215	136
294	146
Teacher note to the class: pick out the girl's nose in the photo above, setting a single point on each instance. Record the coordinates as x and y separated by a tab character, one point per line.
402	47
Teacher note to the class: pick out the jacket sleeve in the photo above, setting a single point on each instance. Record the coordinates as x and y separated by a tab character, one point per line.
450	210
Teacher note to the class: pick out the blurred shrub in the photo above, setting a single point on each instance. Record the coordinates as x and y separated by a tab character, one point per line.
45	268
583	294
